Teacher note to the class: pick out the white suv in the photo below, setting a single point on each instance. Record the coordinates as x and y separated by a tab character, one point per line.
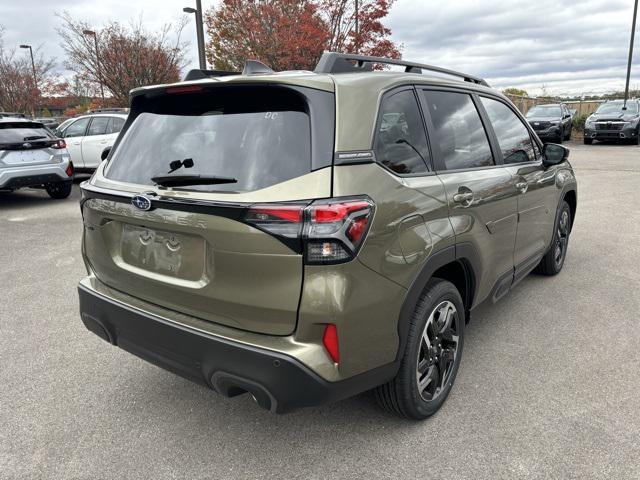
88	135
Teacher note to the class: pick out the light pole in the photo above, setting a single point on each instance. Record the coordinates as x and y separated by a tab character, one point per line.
91	33
633	34
199	32
33	67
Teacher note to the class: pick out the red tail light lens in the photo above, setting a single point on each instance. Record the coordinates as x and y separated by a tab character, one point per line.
69	170
331	231
330	342
279	219
336	229
60	143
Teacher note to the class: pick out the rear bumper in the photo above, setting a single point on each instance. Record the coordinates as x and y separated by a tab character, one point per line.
19	177
277	381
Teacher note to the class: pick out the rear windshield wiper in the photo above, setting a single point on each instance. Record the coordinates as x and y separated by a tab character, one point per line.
185	180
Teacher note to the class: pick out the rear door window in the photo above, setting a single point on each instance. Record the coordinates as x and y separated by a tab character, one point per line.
458	131
115	124
98	126
401	142
513	137
259	136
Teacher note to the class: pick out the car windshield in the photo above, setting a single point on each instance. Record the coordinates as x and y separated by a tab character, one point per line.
17	132
256	136
544	111
616	108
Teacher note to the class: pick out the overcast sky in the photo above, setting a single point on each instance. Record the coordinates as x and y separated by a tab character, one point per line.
578	46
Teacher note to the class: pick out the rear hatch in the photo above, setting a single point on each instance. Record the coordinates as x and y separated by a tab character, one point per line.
24	144
196	209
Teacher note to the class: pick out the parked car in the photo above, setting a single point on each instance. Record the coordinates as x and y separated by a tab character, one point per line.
305	237
552	122
49	122
87	136
12	115
611	121
31	156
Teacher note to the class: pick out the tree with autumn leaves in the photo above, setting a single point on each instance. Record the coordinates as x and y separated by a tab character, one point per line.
292	34
128	56
19	90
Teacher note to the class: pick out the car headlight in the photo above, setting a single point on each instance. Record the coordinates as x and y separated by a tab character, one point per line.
589	123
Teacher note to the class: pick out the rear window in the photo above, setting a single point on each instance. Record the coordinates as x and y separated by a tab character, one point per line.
258	136
17	132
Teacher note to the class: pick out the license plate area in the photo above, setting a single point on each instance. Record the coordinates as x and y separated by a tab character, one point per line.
163	255
26	157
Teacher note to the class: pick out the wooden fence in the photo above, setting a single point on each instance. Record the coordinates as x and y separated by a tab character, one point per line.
582	107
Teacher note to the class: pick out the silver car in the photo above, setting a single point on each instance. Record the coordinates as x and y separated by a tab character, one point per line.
88	136
32	156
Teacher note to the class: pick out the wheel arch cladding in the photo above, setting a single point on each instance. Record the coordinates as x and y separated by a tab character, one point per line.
446	265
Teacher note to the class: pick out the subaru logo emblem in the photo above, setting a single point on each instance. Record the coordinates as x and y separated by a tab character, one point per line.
141	202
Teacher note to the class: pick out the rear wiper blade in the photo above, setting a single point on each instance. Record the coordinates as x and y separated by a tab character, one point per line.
185	180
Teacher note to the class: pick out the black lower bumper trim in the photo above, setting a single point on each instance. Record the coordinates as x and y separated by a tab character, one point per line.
33	181
277	381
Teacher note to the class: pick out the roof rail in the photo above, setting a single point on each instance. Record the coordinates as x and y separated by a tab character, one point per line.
332	62
109	110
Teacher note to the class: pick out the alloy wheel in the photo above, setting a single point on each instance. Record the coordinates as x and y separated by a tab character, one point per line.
438	351
562	238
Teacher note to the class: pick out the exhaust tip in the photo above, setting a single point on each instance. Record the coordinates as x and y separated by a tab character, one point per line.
231	385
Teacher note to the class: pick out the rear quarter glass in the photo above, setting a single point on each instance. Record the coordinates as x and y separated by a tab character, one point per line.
258	135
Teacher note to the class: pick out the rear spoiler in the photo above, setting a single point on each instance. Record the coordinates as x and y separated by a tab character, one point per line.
251	67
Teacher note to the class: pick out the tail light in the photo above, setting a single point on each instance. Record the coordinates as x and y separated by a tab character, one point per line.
60	143
69	170
330	231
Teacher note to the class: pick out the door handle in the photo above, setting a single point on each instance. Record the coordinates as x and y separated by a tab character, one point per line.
464	198
522	186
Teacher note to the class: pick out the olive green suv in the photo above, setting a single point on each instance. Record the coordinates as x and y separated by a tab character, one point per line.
307	236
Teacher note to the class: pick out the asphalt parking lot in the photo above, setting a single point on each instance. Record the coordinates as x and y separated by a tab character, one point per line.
548	387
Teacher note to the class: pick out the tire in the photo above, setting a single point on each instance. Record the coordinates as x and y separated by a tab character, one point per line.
588	141
59	190
553	261
558	140
440	302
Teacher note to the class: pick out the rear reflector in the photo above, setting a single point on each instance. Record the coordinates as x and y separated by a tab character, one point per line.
69	170
330	342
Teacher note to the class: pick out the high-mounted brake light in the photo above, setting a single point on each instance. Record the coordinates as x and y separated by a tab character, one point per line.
331	231
185	89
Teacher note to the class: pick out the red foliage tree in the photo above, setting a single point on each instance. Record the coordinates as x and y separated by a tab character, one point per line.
18	91
292	34
285	34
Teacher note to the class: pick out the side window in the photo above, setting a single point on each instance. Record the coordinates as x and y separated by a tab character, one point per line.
98	126
115	125
401	142
77	128
458	131
513	137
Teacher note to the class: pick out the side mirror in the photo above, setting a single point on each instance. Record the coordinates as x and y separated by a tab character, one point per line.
553	154
105	153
